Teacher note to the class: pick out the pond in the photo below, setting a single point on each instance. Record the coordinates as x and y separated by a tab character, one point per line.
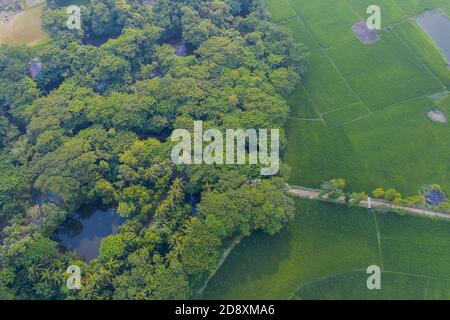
85	230
437	25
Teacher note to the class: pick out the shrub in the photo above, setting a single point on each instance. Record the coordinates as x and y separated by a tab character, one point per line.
391	195
378	193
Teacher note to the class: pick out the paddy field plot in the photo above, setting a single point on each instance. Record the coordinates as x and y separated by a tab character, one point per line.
370	102
324	254
327	20
398	146
384	72
325	85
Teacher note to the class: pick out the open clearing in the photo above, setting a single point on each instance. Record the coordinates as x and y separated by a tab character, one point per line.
324	253
24	28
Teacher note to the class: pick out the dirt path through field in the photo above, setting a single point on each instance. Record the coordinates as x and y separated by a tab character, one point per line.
311	194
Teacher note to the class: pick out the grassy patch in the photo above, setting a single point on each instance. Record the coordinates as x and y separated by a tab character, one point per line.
24	28
400	234
330	21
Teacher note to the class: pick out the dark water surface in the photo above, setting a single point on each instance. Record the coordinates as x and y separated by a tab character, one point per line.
437	25
3	224
86	229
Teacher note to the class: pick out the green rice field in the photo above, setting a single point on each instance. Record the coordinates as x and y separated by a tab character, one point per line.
324	254
362	110
361	113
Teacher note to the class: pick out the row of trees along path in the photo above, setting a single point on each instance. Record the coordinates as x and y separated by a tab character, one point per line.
312	194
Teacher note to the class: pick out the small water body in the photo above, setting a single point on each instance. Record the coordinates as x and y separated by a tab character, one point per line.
3	224
437	25
85	230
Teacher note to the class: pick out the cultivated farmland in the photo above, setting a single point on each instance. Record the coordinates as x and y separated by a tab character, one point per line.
361	112
324	253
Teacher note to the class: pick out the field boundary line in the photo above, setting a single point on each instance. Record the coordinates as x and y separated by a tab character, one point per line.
223	257
418	275
328	57
285	20
348	122
418	59
427	288
407	16
400	101
396	23
340	108
353	9
346	81
335	275
343	43
403	10
313	103
379	238
305	119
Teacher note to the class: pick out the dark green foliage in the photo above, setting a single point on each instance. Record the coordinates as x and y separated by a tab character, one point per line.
97	135
14	181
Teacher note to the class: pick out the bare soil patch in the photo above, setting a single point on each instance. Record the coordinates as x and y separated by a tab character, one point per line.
364	34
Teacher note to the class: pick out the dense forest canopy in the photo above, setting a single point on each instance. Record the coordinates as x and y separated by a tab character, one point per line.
92	128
